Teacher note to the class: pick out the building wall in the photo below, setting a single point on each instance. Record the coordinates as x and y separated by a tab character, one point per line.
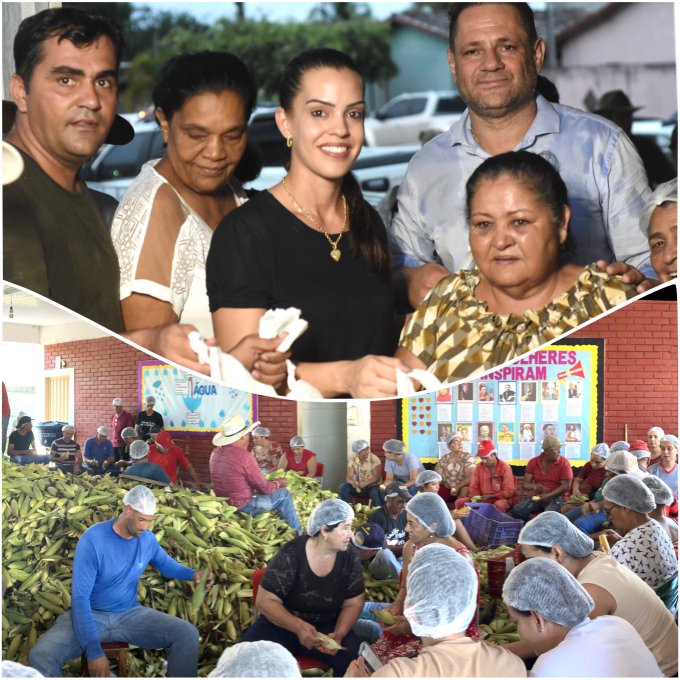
640	33
652	86
421	60
641	368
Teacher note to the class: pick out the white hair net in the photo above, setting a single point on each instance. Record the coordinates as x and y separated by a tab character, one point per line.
601	450
454	435
658	431
359	445
664	193
261	432
544	586
427	476
431	511
329	512
619	446
553	528
629	492
12	669
660	490
259	659
441	592
103	431
128	432
117	402
150	399
670	438
139	449
621	462
297	441
141	499
68	428
394	446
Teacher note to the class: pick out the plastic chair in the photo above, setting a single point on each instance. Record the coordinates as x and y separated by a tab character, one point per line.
112	650
305	663
319	472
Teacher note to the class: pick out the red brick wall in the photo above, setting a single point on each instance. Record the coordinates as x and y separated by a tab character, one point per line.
641	368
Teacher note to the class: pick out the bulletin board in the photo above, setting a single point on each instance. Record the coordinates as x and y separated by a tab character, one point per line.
558	391
188	403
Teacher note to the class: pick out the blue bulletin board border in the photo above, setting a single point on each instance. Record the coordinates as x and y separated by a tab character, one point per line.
246	402
589	424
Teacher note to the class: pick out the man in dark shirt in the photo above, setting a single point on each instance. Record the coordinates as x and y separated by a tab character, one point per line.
147	419
65	451
21	444
141	467
392	516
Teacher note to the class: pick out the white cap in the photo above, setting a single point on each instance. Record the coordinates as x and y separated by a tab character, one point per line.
117	402
141	499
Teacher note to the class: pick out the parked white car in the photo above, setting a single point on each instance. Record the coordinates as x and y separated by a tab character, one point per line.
402	120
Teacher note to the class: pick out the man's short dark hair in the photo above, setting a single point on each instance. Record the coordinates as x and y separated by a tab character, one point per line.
526	15
79	27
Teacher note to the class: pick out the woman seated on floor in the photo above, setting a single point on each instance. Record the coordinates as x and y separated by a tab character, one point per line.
521	293
441	600
551	610
314	585
615	589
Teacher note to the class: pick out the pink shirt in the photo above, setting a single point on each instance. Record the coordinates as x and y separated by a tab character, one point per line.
235	475
118	424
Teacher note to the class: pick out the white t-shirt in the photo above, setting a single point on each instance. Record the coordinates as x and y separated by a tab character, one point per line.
605	647
186	290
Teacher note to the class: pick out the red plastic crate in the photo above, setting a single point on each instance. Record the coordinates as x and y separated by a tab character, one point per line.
497	571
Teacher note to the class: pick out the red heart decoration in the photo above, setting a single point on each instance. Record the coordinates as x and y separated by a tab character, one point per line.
427	408
420	398
413	408
428	423
421	415
422	432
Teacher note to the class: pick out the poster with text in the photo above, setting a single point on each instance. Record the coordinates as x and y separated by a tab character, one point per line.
556	391
189	403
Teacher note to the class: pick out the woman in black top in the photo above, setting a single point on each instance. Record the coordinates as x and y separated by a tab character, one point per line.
312	242
314	584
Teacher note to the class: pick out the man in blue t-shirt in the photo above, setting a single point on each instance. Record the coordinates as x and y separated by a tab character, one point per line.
109	559
141	467
98	453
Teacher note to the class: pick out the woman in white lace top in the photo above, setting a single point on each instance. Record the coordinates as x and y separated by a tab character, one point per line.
164	223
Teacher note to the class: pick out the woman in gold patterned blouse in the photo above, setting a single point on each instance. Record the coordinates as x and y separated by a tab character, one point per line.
521	294
456	469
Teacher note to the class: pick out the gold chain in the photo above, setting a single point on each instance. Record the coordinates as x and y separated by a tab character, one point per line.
335	251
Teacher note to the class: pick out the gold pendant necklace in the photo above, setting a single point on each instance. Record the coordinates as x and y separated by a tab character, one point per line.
335	251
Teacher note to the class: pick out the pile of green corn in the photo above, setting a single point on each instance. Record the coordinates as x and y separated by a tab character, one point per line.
45	512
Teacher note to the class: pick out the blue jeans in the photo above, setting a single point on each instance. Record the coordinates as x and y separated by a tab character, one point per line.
591	523
27	459
141	626
385	565
367	629
372	492
279	500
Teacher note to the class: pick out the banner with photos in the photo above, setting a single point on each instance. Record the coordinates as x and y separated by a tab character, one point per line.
189	403
556	391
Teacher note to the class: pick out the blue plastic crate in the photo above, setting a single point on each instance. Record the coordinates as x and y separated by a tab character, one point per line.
489	526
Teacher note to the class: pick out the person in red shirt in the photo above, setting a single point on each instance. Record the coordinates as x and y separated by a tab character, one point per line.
235	475
120	419
546	483
164	453
299	459
492	479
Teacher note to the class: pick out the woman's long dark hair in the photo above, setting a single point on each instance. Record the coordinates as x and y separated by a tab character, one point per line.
365	240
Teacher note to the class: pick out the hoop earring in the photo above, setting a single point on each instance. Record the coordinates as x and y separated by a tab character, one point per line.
289	142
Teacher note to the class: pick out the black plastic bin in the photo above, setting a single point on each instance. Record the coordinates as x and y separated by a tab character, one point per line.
46	432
